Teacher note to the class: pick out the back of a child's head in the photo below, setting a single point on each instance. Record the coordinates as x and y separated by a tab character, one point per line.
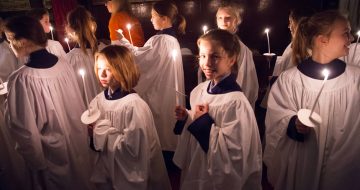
123	67
26	27
321	23
170	10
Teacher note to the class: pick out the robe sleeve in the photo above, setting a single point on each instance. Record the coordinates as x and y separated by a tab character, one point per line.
129	146
234	155
25	125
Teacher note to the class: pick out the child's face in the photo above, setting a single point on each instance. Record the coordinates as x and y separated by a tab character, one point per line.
105	75
156	20
214	61
292	26
337	44
45	23
225	20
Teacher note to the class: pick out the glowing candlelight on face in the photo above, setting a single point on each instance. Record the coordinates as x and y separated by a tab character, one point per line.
267	30
67	42
128	26
357	42
174	54
205	28
326	73
51	31
82	73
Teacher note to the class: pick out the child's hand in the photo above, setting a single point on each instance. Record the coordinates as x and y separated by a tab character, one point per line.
180	113
120	34
301	128
201	110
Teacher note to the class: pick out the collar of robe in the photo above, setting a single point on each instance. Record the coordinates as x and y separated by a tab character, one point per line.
227	85
169	31
117	94
314	70
41	59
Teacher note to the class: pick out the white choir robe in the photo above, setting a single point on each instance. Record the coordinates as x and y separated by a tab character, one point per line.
247	78
283	63
157	82
43	114
234	158
353	58
79	60
8	61
54	47
130	149
329	157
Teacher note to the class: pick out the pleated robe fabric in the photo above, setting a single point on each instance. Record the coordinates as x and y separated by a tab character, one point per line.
354	55
234	158
43	114
328	159
130	154
54	47
8	61
247	78
158	71
79	60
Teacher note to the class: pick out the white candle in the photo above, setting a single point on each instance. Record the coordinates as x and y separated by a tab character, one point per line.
82	73
357	42
205	28
326	73
67	42
51	30
268	40
174	54
128	26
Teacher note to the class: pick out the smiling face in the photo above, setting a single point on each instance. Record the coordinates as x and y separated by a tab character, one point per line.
337	43
104	73
226	20
214	61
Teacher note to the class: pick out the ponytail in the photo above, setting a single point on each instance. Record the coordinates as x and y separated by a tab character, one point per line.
180	23
301	43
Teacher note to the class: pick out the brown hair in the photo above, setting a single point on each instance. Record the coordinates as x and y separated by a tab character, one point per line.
38	13
123	5
122	66
82	22
319	24
25	27
229	42
169	9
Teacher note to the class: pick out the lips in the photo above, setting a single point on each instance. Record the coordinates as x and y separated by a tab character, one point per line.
103	81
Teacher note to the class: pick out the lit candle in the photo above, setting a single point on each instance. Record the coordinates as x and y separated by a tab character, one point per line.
174	54
326	73
357	42
205	28
82	73
51	30
268	40
128	26
67	42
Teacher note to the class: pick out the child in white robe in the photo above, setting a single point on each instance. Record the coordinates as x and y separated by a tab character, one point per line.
129	153
43	112
8	61
42	15
158	68
219	146
228	17
81	28
326	156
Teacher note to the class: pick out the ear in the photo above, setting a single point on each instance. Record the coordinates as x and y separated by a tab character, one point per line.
233	60
322	40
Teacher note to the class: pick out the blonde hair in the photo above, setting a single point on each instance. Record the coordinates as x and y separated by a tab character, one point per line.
319	24
234	9
82	22
122	66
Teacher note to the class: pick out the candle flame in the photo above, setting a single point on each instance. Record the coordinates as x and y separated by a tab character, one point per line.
205	28
51	28
267	30
66	40
128	26
358	33
82	72
326	73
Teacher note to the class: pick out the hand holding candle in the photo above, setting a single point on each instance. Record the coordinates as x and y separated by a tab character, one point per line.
51	31
128	26
205	28
67	42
